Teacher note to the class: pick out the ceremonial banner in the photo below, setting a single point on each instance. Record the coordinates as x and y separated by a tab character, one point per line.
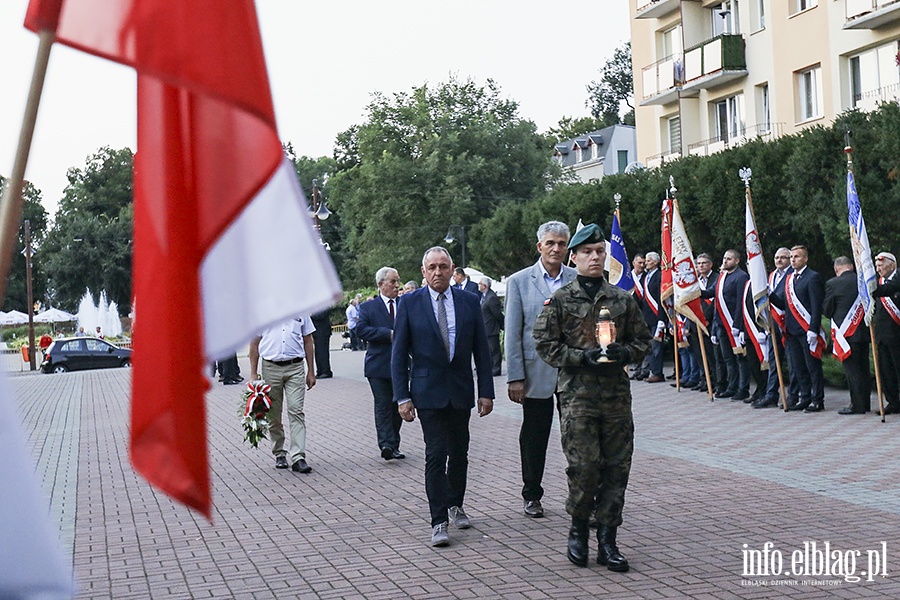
665	263
223	243
619	268
756	267
862	254
684	284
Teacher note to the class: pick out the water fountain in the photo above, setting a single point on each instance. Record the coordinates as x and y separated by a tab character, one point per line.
104	314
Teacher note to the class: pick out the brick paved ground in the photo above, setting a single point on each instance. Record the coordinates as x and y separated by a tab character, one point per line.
707	478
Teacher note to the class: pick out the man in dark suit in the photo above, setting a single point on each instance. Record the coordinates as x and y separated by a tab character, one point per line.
492	313
376	326
849	334
655	317
708	279
322	338
776	287
804	292
887	329
462	282
728	326
437	333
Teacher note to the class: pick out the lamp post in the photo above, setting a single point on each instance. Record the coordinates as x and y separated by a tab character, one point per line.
462	241
318	211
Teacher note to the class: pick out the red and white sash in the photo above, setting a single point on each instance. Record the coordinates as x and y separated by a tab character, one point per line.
840	333
648	297
724	313
802	315
777	313
637	289
889	305
750	326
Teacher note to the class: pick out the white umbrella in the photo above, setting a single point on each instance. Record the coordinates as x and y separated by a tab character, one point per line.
53	315
14	317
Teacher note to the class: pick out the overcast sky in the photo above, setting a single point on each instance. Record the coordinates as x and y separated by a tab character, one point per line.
324	60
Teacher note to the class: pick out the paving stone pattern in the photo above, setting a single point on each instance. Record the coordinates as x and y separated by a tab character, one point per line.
707	479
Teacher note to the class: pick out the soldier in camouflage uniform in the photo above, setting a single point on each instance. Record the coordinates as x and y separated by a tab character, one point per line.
596	426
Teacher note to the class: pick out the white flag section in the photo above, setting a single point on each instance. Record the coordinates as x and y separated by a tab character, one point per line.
31	560
685	283
756	268
249	280
866	277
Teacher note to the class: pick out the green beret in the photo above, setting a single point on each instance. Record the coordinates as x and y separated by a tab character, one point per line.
589	234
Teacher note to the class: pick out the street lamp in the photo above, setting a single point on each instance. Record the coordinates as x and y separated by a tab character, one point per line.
462	241
318	211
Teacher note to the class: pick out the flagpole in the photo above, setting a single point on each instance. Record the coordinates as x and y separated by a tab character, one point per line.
709	388
11	204
745	175
848	150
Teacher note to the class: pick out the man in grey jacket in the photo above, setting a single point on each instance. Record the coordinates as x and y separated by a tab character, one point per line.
531	381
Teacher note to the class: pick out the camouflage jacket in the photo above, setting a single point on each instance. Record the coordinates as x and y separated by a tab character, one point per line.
567	327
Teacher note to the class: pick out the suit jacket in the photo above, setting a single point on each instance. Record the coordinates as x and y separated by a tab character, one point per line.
492	313
322	322
811	292
420	368
709	304
650	317
526	293
886	330
468	286
840	294
375	327
733	292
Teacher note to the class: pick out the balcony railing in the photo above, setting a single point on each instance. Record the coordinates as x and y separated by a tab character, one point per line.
714	61
869	101
654	9
763	131
658	160
662	79
869	14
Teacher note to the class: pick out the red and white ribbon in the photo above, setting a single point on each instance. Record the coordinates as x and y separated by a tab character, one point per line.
889	305
802	315
259	392
722	309
840	333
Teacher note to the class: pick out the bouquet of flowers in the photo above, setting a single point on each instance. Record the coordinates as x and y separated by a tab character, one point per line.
255	404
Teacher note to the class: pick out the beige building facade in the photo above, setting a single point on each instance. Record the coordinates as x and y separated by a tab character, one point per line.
712	74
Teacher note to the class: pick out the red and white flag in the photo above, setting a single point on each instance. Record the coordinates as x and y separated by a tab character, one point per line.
679	270
756	267
223	243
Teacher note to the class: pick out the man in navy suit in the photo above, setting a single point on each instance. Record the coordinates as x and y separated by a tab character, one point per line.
804	292
437	333
655	317
462	282
376	326
776	287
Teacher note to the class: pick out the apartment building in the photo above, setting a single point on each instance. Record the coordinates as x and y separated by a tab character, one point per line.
604	152
712	74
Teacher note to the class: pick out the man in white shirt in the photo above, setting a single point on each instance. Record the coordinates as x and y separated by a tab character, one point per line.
287	350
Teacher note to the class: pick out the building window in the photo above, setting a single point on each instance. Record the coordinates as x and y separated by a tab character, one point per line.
763	110
725	18
671	42
801	5
622	156
809	93
674	134
874	76
759	14
728	115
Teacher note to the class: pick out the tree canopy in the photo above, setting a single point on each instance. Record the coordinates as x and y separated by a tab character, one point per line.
614	88
16	293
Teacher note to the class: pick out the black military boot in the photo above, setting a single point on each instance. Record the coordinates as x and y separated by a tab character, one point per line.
577	549
608	554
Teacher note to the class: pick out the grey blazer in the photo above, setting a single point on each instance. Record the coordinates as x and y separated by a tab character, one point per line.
526	292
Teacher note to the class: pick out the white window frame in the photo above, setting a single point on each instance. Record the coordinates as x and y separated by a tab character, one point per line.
673	148
765	108
809	93
799	6
729	24
731	111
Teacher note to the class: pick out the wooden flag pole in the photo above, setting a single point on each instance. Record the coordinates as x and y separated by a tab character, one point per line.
11	204
877	372
675	346
709	387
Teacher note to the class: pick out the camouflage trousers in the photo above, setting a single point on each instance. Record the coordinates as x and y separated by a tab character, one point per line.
598	450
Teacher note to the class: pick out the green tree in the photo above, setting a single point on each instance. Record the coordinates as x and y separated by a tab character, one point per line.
16	293
614	88
90	245
571	127
424	161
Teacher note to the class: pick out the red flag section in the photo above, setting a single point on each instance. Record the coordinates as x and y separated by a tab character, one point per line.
208	156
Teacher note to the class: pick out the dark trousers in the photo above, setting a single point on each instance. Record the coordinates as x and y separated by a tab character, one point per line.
446	434
711	361
754	366
655	358
387	417
722	347
793	386
889	365
737	371
496	353
807	368
229	368
355	343
537	420
856	368
323	352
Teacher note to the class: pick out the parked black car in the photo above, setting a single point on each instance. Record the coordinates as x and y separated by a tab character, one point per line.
74	354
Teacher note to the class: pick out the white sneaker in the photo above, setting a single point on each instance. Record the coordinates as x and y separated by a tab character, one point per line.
439	535
458	517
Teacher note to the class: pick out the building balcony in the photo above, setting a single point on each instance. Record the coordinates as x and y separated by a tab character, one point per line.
655	9
657	160
871	14
869	101
662	80
764	131
714	62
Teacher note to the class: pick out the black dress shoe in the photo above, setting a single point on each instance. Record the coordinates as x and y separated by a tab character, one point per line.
740	396
281	462
670	377
848	410
725	394
765	403
301	467
231	382
814	407
396	454
324	376
799	406
891	410
387	453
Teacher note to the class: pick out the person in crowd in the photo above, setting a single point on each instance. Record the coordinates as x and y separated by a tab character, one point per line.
708	279
777	279
287	350
887	329
352	314
530	381
322	338
492	313
376	328
461	281
437	334
596	424
656	319
728	336
409	286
